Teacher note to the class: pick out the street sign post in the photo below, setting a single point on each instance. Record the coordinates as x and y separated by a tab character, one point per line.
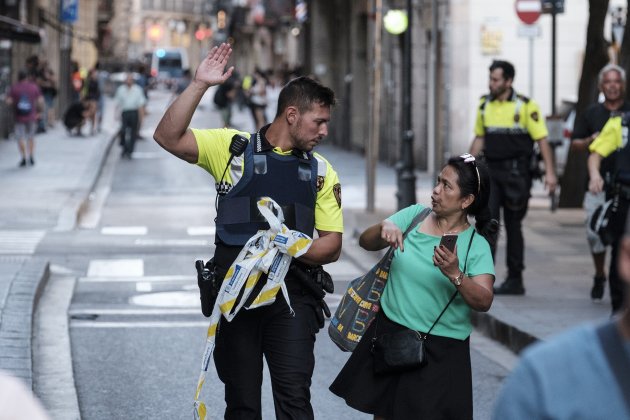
528	11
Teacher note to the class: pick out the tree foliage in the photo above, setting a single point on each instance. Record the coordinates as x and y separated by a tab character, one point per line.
595	57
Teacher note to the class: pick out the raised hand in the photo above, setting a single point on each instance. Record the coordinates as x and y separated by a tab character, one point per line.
212	71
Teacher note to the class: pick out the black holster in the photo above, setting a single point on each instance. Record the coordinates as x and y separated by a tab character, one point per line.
316	281
209	283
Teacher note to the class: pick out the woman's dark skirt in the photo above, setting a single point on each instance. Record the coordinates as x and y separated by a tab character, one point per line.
442	389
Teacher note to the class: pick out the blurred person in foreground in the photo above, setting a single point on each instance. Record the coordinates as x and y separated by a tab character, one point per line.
612	84
506	128
17	402
423	276
583	373
277	161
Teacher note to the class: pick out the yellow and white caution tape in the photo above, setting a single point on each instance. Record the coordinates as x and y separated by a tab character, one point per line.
268	251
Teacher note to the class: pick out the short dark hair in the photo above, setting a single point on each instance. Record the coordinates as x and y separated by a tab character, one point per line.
506	66
303	92
22	74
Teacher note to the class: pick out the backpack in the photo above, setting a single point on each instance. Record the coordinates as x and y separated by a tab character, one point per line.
23	106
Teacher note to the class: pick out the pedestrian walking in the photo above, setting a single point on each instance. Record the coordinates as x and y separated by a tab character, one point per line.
256	94
582	373
27	102
506	127
612	141
278	162
130	101
423	276
224	98
48	85
612	84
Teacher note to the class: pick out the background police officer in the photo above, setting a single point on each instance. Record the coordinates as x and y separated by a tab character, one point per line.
506	128
613	141
612	83
277	162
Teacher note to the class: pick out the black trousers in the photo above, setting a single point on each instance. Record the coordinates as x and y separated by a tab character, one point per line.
511	183
614	280
286	341
129	130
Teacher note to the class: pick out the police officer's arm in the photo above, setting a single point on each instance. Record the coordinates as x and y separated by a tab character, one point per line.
550	173
324	249
477	146
596	182
172	132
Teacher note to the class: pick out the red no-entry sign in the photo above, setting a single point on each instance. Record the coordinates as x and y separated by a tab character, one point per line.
528	11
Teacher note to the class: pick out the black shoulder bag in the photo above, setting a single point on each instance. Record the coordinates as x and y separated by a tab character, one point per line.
405	350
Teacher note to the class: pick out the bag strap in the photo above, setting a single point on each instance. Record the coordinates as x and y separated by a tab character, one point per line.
616	356
454	294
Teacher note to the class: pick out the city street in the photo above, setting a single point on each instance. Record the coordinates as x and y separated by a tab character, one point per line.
123	282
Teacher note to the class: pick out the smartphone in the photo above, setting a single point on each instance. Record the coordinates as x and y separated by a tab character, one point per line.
449	241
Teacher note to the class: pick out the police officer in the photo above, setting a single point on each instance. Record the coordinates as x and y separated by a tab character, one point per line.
612	83
612	141
506	128
277	161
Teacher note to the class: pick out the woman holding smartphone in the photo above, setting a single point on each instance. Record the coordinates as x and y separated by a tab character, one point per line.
423	278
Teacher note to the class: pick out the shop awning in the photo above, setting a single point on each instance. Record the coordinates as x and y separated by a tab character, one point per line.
18	31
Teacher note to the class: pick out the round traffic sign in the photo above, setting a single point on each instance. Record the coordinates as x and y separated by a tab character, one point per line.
528	11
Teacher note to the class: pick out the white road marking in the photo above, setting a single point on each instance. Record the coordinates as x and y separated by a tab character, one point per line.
131	278
143	286
172	324
133	311
124	230
20	241
168	299
116	268
172	242
201	230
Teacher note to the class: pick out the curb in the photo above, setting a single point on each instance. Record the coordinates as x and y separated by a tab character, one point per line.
16	330
502	332
77	203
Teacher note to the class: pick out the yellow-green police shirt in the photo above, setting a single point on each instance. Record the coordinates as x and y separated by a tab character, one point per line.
501	114
609	139
214	144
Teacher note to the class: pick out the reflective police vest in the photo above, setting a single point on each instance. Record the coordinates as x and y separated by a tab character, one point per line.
502	143
289	179
622	155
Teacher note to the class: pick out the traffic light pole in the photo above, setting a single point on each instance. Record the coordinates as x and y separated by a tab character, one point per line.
406	177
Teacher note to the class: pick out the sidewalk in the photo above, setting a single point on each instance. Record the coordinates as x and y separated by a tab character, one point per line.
49	196
35	199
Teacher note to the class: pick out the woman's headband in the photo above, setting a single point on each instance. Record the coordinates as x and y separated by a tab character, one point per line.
468	158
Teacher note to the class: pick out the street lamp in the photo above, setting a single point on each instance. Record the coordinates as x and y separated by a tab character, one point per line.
399	22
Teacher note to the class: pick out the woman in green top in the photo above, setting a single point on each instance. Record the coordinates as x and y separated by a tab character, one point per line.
422	278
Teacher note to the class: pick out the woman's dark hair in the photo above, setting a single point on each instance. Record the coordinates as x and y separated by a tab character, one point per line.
303	92
473	178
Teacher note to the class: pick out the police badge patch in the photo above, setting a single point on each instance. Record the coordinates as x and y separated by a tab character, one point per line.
320	183
337	193
534	116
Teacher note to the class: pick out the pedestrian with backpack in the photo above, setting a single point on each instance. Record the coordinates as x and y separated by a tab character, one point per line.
26	100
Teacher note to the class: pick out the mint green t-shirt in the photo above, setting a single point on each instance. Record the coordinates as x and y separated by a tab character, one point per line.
417	291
